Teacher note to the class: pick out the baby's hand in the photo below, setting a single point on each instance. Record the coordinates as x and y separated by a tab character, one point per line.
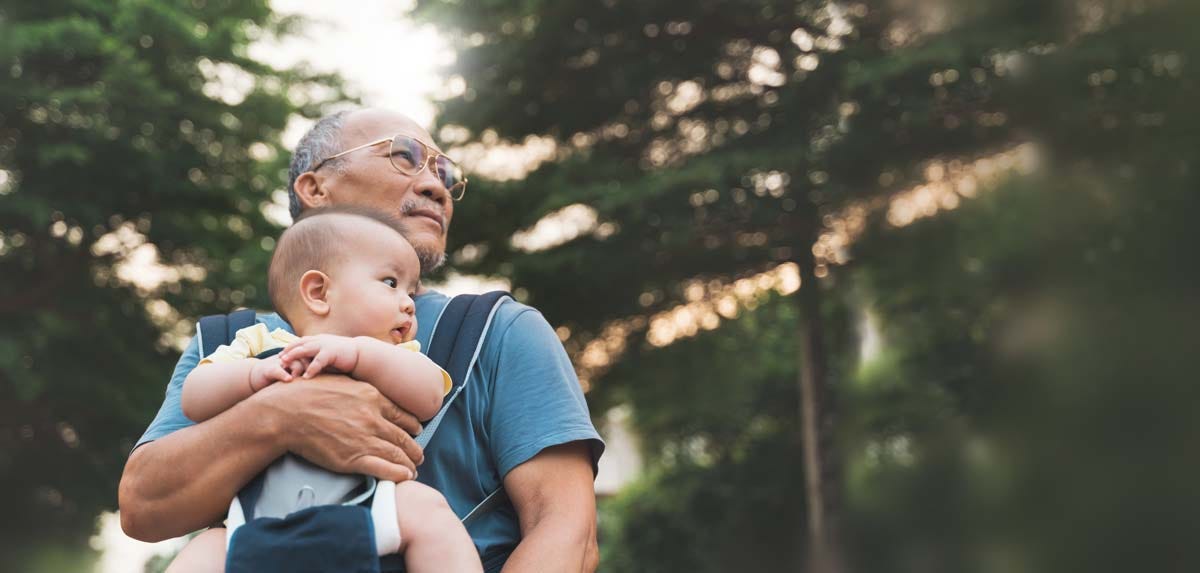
266	372
322	352
296	367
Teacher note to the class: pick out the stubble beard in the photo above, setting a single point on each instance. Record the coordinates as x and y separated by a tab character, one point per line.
431	259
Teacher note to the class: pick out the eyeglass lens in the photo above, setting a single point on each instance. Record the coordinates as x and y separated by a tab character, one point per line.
409	155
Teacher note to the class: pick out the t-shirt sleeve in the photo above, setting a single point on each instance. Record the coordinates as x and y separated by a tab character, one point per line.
170	415
536	398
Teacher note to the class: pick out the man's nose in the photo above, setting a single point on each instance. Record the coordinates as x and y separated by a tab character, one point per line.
430	186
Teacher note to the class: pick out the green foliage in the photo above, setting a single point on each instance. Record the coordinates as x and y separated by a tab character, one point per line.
1032	378
1036	386
742	513
1036	355
123	126
1031	412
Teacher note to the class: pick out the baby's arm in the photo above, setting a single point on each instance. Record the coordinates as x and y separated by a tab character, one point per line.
213	387
410	379
405	377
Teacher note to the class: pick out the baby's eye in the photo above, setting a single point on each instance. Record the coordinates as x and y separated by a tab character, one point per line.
390	282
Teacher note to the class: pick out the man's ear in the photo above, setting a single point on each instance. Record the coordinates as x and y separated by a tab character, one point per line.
309	190
314	291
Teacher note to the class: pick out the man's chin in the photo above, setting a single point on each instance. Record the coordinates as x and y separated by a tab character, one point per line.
430	258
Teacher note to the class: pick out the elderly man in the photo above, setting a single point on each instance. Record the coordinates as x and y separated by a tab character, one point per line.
523	424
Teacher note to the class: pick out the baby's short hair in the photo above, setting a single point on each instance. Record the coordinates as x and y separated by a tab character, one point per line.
316	241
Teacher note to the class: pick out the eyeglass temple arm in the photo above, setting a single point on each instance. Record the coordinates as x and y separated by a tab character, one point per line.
351	150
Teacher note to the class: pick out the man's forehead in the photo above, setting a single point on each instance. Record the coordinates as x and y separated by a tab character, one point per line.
367	125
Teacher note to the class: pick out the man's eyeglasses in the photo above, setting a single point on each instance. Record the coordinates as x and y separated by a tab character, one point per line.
410	156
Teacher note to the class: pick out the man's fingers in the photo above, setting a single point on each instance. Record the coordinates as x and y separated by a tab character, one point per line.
399	455
404	420
392	453
381	468
404	442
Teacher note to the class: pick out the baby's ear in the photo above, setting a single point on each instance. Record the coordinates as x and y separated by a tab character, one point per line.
314	292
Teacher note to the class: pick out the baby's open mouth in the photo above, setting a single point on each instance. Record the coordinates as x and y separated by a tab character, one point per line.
398	334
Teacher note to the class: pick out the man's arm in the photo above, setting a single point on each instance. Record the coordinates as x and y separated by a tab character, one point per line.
544	444
556	504
184	481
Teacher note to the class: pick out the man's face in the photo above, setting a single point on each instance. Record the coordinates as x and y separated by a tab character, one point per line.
366	177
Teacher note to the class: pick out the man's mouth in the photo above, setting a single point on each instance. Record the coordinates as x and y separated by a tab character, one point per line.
429	214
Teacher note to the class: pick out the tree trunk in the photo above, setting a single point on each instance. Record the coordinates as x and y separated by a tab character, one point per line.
816	424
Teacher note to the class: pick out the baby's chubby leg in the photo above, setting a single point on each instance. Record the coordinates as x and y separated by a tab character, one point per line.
205	553
431	536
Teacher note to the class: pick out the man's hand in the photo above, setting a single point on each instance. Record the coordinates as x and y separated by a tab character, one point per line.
266	372
346	428
184	481
323	353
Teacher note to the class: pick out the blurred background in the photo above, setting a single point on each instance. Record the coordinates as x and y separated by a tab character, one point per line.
888	285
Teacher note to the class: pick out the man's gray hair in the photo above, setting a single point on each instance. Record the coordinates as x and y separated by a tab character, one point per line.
323	140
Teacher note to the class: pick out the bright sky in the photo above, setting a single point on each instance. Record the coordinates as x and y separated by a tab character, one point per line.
389	60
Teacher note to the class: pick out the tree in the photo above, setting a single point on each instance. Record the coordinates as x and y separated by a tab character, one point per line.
679	124
1028	413
127	129
714	141
714	135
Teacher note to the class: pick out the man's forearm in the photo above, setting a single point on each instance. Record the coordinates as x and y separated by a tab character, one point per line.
185	481
556	544
556	505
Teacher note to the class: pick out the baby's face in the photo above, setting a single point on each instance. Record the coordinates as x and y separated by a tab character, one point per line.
370	292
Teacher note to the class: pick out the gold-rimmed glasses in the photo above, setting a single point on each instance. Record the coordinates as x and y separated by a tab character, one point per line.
410	156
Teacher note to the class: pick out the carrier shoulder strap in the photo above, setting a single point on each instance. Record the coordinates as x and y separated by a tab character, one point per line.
218	329
457	340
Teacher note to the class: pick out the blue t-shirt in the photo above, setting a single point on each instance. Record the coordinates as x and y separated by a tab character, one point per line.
521	398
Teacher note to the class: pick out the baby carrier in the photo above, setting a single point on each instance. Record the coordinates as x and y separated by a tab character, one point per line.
336	526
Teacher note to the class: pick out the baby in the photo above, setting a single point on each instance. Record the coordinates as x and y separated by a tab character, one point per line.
344	279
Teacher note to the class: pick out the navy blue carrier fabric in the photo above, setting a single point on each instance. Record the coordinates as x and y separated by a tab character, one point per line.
458	333
342	538
220	329
315	540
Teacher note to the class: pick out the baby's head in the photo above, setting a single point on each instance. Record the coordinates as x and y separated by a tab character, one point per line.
347	271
